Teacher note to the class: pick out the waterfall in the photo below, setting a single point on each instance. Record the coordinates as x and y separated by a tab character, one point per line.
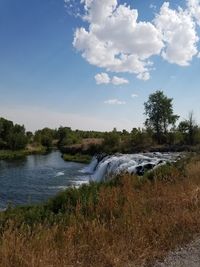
91	167
126	163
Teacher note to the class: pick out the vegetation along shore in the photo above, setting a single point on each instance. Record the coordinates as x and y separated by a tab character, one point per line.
129	221
163	131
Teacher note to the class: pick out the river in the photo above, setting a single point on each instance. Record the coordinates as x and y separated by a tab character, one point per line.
36	178
39	177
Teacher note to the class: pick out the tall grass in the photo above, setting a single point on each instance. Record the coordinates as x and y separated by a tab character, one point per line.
130	221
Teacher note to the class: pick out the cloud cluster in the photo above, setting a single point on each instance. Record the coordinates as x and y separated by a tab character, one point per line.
117	41
194	9
114	102
179	34
103	78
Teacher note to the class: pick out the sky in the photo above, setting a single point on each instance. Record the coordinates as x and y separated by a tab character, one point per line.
91	64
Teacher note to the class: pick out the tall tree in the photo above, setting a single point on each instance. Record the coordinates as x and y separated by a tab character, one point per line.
189	129
159	112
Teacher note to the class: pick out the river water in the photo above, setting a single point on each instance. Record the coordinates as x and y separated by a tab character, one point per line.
39	177
36	178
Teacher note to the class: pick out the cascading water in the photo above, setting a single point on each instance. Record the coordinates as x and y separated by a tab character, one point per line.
131	163
91	167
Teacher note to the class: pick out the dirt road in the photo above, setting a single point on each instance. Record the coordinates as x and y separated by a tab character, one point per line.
189	256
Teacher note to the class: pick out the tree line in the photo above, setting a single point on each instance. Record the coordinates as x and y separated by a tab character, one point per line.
161	128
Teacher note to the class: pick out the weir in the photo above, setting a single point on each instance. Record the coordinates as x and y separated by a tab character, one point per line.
113	165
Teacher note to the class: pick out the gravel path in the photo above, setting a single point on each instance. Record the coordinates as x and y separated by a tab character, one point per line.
188	256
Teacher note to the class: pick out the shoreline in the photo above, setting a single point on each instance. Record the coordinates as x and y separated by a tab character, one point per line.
123	203
17	154
79	158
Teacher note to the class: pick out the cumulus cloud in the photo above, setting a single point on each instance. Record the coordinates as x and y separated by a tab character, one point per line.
117	41
119	80
114	102
194	9
179	34
103	78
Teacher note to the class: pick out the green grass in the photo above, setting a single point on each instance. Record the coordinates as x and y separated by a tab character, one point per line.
9	154
81	158
12	154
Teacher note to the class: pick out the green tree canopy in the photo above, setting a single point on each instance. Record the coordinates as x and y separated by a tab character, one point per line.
189	129
160	115
12	136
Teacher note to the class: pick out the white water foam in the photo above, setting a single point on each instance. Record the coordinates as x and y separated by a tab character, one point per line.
91	167
131	163
60	174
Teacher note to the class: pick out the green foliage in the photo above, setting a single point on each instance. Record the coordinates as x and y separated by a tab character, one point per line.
67	137
140	137
111	142
159	112
189	130
9	154
12	136
82	158
45	137
163	173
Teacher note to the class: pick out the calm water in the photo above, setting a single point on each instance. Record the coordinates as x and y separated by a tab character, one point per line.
36	178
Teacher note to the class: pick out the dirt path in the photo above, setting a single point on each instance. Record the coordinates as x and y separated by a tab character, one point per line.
188	256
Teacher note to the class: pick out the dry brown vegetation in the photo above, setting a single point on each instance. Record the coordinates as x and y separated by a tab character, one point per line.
132	222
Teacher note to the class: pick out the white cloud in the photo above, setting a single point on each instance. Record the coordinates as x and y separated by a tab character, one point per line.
98	11
144	76
117	41
119	80
194	9
102	78
179	34
114	102
134	95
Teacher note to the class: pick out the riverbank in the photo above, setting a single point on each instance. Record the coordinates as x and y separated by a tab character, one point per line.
80	158
129	221
10	154
79	150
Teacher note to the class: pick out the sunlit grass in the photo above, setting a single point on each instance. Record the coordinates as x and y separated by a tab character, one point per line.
129	221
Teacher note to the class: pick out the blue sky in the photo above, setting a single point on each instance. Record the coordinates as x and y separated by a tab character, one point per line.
48	79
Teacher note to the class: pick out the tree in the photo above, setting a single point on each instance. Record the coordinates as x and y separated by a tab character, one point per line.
111	141
12	136
45	137
159	112
189	129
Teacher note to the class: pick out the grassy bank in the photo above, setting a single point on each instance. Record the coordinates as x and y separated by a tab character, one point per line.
10	154
81	158
129	221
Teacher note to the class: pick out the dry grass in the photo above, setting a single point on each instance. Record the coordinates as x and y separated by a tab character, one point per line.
131	224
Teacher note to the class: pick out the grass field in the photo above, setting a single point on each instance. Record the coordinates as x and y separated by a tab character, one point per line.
130	221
